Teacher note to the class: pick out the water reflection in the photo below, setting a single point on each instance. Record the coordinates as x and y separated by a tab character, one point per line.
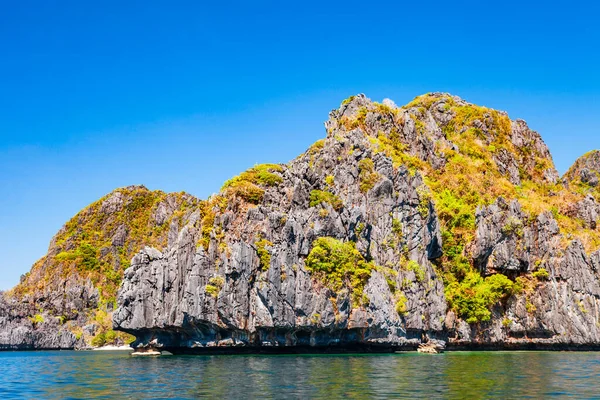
408	375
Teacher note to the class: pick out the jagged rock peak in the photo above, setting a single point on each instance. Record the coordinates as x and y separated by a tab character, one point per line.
435	126
585	170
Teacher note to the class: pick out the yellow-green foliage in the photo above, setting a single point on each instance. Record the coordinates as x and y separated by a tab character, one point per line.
264	256
473	297
513	226
541	274
246	190
424	201
573	175
360	227
262	174
208	210
423	101
99	340
401	300
78	246
392	147
348	100
248	185
367	176
397	227
317	146
105	334
329	180
37	319
85	257
214	286
339	266
319	196
470	178
417	269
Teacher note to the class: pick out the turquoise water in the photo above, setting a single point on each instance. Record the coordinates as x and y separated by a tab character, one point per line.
70	374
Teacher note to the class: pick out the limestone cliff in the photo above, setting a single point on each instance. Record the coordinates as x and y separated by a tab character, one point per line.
67	298
437	221
440	220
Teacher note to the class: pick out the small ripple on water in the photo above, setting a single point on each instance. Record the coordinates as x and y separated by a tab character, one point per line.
409	375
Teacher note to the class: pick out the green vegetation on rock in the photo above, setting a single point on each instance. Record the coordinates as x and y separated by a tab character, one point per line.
85	257
214	286
339	266
458	157
249	184
319	196
264	256
99	242
473	297
541	274
367	176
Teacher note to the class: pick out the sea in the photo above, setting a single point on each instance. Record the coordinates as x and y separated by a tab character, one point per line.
451	375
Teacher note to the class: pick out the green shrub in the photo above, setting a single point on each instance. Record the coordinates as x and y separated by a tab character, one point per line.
263	174
316	146
214	286
247	191
474	296
367	175
424	200
401	303
454	211
513	226
263	254
110	336
315	319
541	274
360	227
85	256
329	180
37	319
339	266
99	340
319	196
397	227
348	100
248	184
418	269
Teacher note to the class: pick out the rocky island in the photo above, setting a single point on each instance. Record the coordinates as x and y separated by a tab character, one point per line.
440	223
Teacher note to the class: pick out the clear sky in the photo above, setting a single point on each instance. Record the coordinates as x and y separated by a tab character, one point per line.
183	95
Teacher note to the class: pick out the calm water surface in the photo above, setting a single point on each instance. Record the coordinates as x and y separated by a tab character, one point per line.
70	374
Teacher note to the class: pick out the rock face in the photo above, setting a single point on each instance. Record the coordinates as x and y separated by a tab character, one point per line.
18	332
74	286
438	224
238	276
165	302
585	170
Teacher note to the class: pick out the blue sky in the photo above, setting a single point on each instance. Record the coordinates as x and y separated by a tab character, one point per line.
184	95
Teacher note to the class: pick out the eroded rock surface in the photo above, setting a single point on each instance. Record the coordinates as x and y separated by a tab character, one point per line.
164	299
439	222
168	299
